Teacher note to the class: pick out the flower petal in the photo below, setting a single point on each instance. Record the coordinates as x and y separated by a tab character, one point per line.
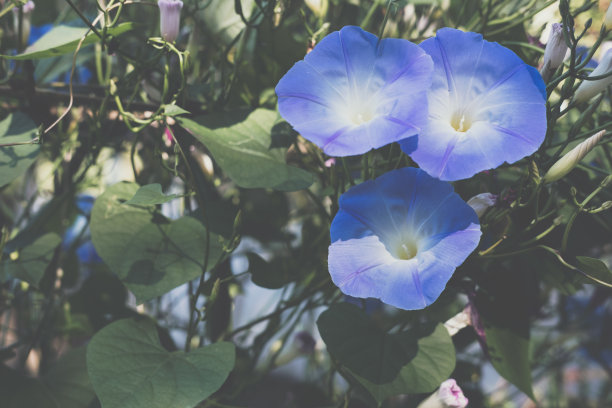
353	93
407	209
486	107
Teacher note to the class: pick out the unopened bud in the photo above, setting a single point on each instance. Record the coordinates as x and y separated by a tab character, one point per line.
608	18
555	51
589	89
606	205
318	7
303	344
169	18
565	164
481	202
448	395
26	23
458	321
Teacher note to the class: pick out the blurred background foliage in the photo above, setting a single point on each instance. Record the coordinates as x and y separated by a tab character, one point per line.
99	302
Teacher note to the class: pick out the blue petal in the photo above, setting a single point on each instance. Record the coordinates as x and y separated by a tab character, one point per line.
538	81
377	216
354	93
501	98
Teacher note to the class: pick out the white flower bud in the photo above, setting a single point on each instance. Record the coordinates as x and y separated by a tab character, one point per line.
169	18
565	164
318	7
458	321
448	395
608	18
28	9
555	51
481	202
589	89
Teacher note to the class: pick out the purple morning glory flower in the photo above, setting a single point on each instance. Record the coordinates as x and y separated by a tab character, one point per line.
486	107
353	92
399	238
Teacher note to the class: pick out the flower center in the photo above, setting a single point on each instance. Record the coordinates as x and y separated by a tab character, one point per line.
460	121
406	250
361	114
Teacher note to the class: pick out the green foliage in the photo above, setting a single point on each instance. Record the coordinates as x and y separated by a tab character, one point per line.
149	253
595	270
129	368
387	364
64	39
270	275
242	146
274	193
151	194
32	261
15	160
509	353
65	385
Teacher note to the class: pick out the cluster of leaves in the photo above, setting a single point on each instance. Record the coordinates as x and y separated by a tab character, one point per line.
199	117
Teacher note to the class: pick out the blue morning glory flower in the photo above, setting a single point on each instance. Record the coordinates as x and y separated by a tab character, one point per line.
353	92
399	238
486	107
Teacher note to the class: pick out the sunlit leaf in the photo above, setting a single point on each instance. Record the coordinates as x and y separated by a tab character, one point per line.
243	149
64	39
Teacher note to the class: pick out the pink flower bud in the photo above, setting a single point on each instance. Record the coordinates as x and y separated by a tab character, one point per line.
451	395
170	18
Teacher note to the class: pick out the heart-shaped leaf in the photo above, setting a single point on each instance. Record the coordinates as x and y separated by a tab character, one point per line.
386	364
243	149
149	253
15	160
129	368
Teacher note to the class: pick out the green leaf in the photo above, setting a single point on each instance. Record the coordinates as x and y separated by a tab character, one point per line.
63	40
386	364
243	150
269	275
174	110
33	260
65	385
129	368
509	353
151	194
15	160
506	319
595	270
433	363
150	254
